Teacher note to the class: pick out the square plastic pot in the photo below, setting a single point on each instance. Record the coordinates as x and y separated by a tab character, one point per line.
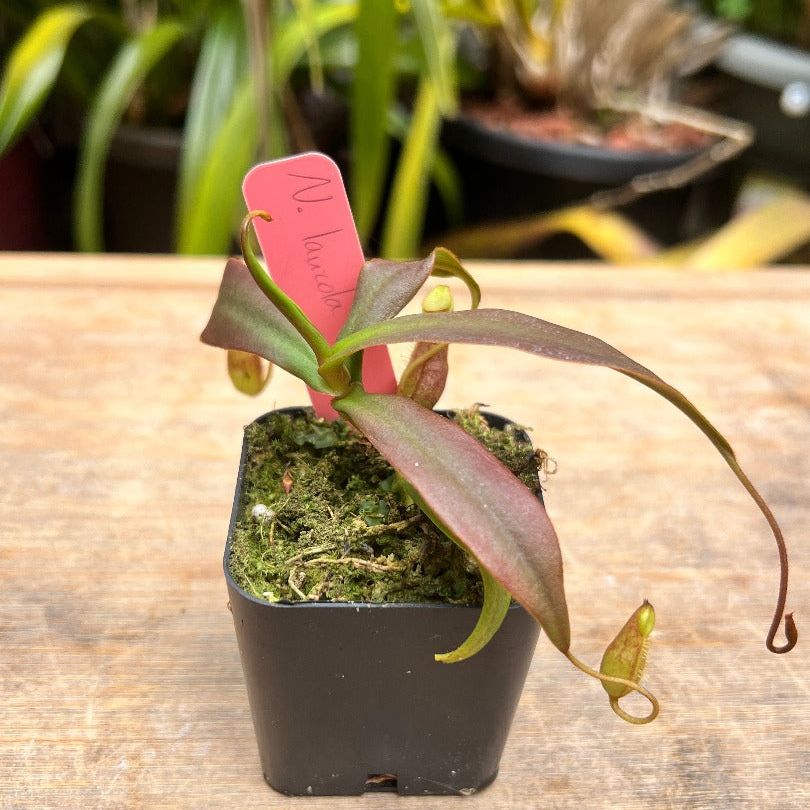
347	697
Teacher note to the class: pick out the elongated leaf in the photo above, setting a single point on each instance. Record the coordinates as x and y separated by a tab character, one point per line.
306	13
33	66
463	487
372	94
209	225
756	237
245	320
221	66
495	327
444	175
406	211
610	235
131	65
439	47
384	287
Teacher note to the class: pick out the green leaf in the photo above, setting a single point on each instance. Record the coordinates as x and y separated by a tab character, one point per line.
444	175
131	65
33	66
372	94
243	319
494	327
221	66
216	194
438	44
306	13
469	493
405	217
384	287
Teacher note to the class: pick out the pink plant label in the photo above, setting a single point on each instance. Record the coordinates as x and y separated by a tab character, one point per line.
313	252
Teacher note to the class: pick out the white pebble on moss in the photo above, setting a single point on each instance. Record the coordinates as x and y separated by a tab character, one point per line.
259	511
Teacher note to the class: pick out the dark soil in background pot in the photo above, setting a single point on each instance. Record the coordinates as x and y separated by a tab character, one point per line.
342	532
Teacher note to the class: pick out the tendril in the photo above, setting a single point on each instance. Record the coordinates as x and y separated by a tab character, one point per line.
614	701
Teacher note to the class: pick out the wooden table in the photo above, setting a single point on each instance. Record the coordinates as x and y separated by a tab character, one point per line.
121	684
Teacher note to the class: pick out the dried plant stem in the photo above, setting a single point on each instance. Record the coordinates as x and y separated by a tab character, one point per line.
395	528
356	562
308	553
298	592
614	702
735	137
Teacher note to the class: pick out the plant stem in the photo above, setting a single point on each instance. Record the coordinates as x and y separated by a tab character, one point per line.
614	702
337	377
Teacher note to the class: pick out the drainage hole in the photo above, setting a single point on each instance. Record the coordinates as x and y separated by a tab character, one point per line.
381	782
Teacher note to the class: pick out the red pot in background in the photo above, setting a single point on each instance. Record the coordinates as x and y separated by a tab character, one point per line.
22	199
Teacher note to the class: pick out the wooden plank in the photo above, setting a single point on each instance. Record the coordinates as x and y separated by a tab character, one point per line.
120	676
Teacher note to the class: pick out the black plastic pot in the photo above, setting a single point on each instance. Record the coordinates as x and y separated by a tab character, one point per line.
139	189
508	176
347	698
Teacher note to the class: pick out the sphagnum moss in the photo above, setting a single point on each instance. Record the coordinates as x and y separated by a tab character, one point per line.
342	533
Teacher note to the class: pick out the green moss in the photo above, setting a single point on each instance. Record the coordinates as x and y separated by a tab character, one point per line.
343	532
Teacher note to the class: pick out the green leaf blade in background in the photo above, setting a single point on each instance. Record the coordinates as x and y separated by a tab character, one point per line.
33	66
405	217
215	193
438	46
372	96
131	65
463	487
221	67
444	174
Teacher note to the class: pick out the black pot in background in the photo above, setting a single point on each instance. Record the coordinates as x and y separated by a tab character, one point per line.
767	84
347	697
139	189
507	176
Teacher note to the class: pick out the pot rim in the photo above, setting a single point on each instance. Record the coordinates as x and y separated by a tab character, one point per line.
574	161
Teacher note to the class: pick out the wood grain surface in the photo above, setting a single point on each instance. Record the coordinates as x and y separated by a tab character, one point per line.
121	683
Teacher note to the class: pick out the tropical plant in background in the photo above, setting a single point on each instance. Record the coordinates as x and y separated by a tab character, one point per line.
223	69
595	60
464	490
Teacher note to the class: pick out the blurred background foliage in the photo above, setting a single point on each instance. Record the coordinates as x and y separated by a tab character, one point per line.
493	125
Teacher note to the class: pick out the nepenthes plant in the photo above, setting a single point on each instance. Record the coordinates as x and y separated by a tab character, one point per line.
461	487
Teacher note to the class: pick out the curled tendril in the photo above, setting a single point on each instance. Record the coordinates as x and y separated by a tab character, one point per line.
791	634
614	701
